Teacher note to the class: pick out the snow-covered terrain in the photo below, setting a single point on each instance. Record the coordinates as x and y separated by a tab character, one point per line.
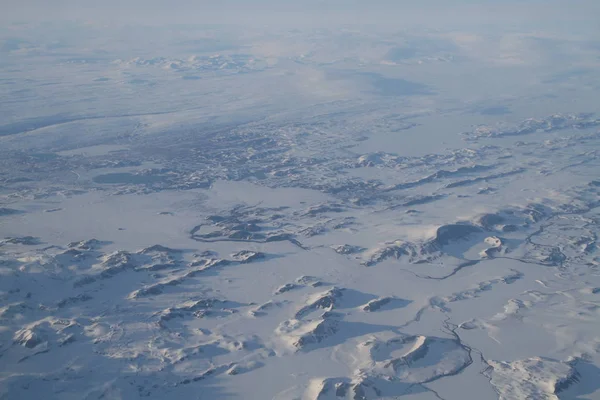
298	214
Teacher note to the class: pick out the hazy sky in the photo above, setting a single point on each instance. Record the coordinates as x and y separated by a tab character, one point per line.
573	14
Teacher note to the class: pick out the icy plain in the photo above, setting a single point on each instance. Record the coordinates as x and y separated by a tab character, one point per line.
298	214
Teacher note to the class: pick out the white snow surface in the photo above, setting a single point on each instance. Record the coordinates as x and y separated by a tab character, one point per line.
317	214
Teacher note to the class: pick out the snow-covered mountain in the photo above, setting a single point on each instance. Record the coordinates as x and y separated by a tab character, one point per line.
301	214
